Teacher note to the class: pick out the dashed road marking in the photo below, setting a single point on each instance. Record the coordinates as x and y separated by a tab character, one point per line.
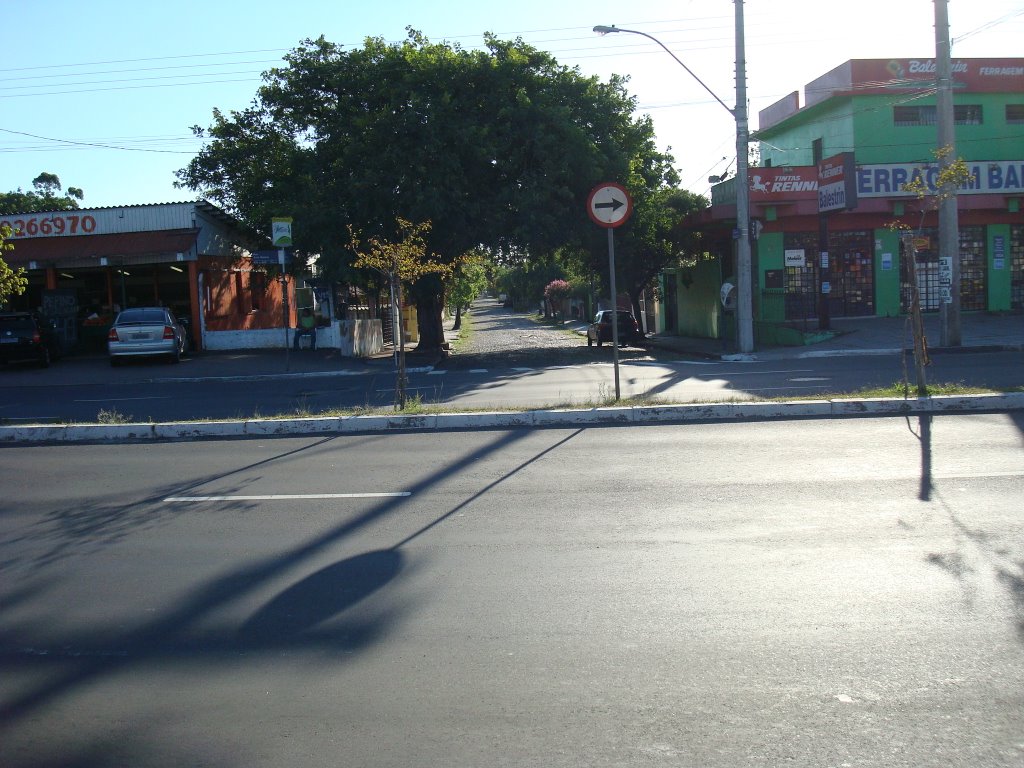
292	496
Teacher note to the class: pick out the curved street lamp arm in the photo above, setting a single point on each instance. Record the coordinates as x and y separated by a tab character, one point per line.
603	30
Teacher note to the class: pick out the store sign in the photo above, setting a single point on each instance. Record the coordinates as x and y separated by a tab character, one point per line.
837	183
986	177
783	183
796	258
50	224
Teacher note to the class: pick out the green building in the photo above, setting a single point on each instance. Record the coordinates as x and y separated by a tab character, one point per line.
879	116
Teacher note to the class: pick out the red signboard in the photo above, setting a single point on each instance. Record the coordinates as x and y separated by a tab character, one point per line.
837	187
769	185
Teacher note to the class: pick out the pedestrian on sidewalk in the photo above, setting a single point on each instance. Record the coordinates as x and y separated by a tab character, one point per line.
307	327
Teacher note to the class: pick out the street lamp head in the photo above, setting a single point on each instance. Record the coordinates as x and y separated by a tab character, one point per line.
603	30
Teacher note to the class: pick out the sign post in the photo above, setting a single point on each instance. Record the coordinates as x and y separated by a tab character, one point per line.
281	237
609	205
837	191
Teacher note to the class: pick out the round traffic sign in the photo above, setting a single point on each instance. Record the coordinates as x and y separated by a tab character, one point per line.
609	204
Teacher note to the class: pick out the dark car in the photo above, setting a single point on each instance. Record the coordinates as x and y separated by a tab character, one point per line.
600	330
28	337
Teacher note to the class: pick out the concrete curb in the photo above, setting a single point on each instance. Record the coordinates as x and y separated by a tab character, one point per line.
626	415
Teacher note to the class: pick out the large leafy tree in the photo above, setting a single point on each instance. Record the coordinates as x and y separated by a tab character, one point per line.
45	195
497	148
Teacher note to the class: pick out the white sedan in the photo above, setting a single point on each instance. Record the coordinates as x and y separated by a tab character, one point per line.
145	331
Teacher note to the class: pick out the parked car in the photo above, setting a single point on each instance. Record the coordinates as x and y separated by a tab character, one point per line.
146	331
28	337
600	330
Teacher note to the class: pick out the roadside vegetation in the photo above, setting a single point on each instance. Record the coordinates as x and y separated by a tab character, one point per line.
415	405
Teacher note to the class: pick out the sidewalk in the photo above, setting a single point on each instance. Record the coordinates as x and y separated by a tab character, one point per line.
868	336
854	337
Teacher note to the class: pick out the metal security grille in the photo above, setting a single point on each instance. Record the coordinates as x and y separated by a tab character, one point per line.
851	274
973	271
800	284
1017	267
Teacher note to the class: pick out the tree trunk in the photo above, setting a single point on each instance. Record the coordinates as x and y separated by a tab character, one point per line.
429	311
458	319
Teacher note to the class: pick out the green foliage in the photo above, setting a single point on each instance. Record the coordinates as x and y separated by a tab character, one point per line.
654	238
468	281
405	259
496	148
45	196
12	282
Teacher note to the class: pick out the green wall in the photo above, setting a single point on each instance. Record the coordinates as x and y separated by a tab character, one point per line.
999	279
887	281
697	303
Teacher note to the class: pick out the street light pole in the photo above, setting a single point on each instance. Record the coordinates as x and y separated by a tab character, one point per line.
744	260
744	263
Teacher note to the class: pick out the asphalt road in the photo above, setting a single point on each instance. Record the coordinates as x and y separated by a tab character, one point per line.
840	593
146	397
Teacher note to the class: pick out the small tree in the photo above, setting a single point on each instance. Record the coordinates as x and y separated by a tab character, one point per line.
556	292
468	281
399	262
954	175
12	282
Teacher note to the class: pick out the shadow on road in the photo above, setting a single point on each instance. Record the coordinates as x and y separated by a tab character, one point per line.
307	614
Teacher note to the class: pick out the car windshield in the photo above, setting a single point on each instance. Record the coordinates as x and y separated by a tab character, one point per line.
154	316
17	323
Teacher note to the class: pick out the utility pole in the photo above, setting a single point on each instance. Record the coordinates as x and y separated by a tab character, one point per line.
949	226
744	262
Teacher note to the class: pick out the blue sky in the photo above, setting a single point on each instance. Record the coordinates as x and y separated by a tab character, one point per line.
104	93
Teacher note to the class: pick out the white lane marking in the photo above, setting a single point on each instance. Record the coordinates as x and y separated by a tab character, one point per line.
436	373
122	399
289	497
811	378
478	370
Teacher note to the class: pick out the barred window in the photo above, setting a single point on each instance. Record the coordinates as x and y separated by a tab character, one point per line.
967	114
1015	114
925	114
904	117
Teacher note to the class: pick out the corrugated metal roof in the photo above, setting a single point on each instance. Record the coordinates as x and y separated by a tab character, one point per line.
86	250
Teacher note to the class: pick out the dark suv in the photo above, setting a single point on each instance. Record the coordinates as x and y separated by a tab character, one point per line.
600	330
27	336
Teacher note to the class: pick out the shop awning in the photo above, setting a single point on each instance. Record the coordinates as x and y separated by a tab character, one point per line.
81	251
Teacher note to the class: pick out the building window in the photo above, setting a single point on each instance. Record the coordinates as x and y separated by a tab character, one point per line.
258	290
1015	114
967	114
904	117
925	114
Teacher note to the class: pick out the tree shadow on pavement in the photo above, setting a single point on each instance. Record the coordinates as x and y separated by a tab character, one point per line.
307	614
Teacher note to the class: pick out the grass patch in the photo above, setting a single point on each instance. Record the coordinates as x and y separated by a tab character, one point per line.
462	342
416	406
900	389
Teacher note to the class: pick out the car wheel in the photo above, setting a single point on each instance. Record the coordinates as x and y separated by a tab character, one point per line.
114	362
175	356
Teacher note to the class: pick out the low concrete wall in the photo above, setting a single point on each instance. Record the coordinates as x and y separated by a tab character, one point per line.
353	338
360	338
